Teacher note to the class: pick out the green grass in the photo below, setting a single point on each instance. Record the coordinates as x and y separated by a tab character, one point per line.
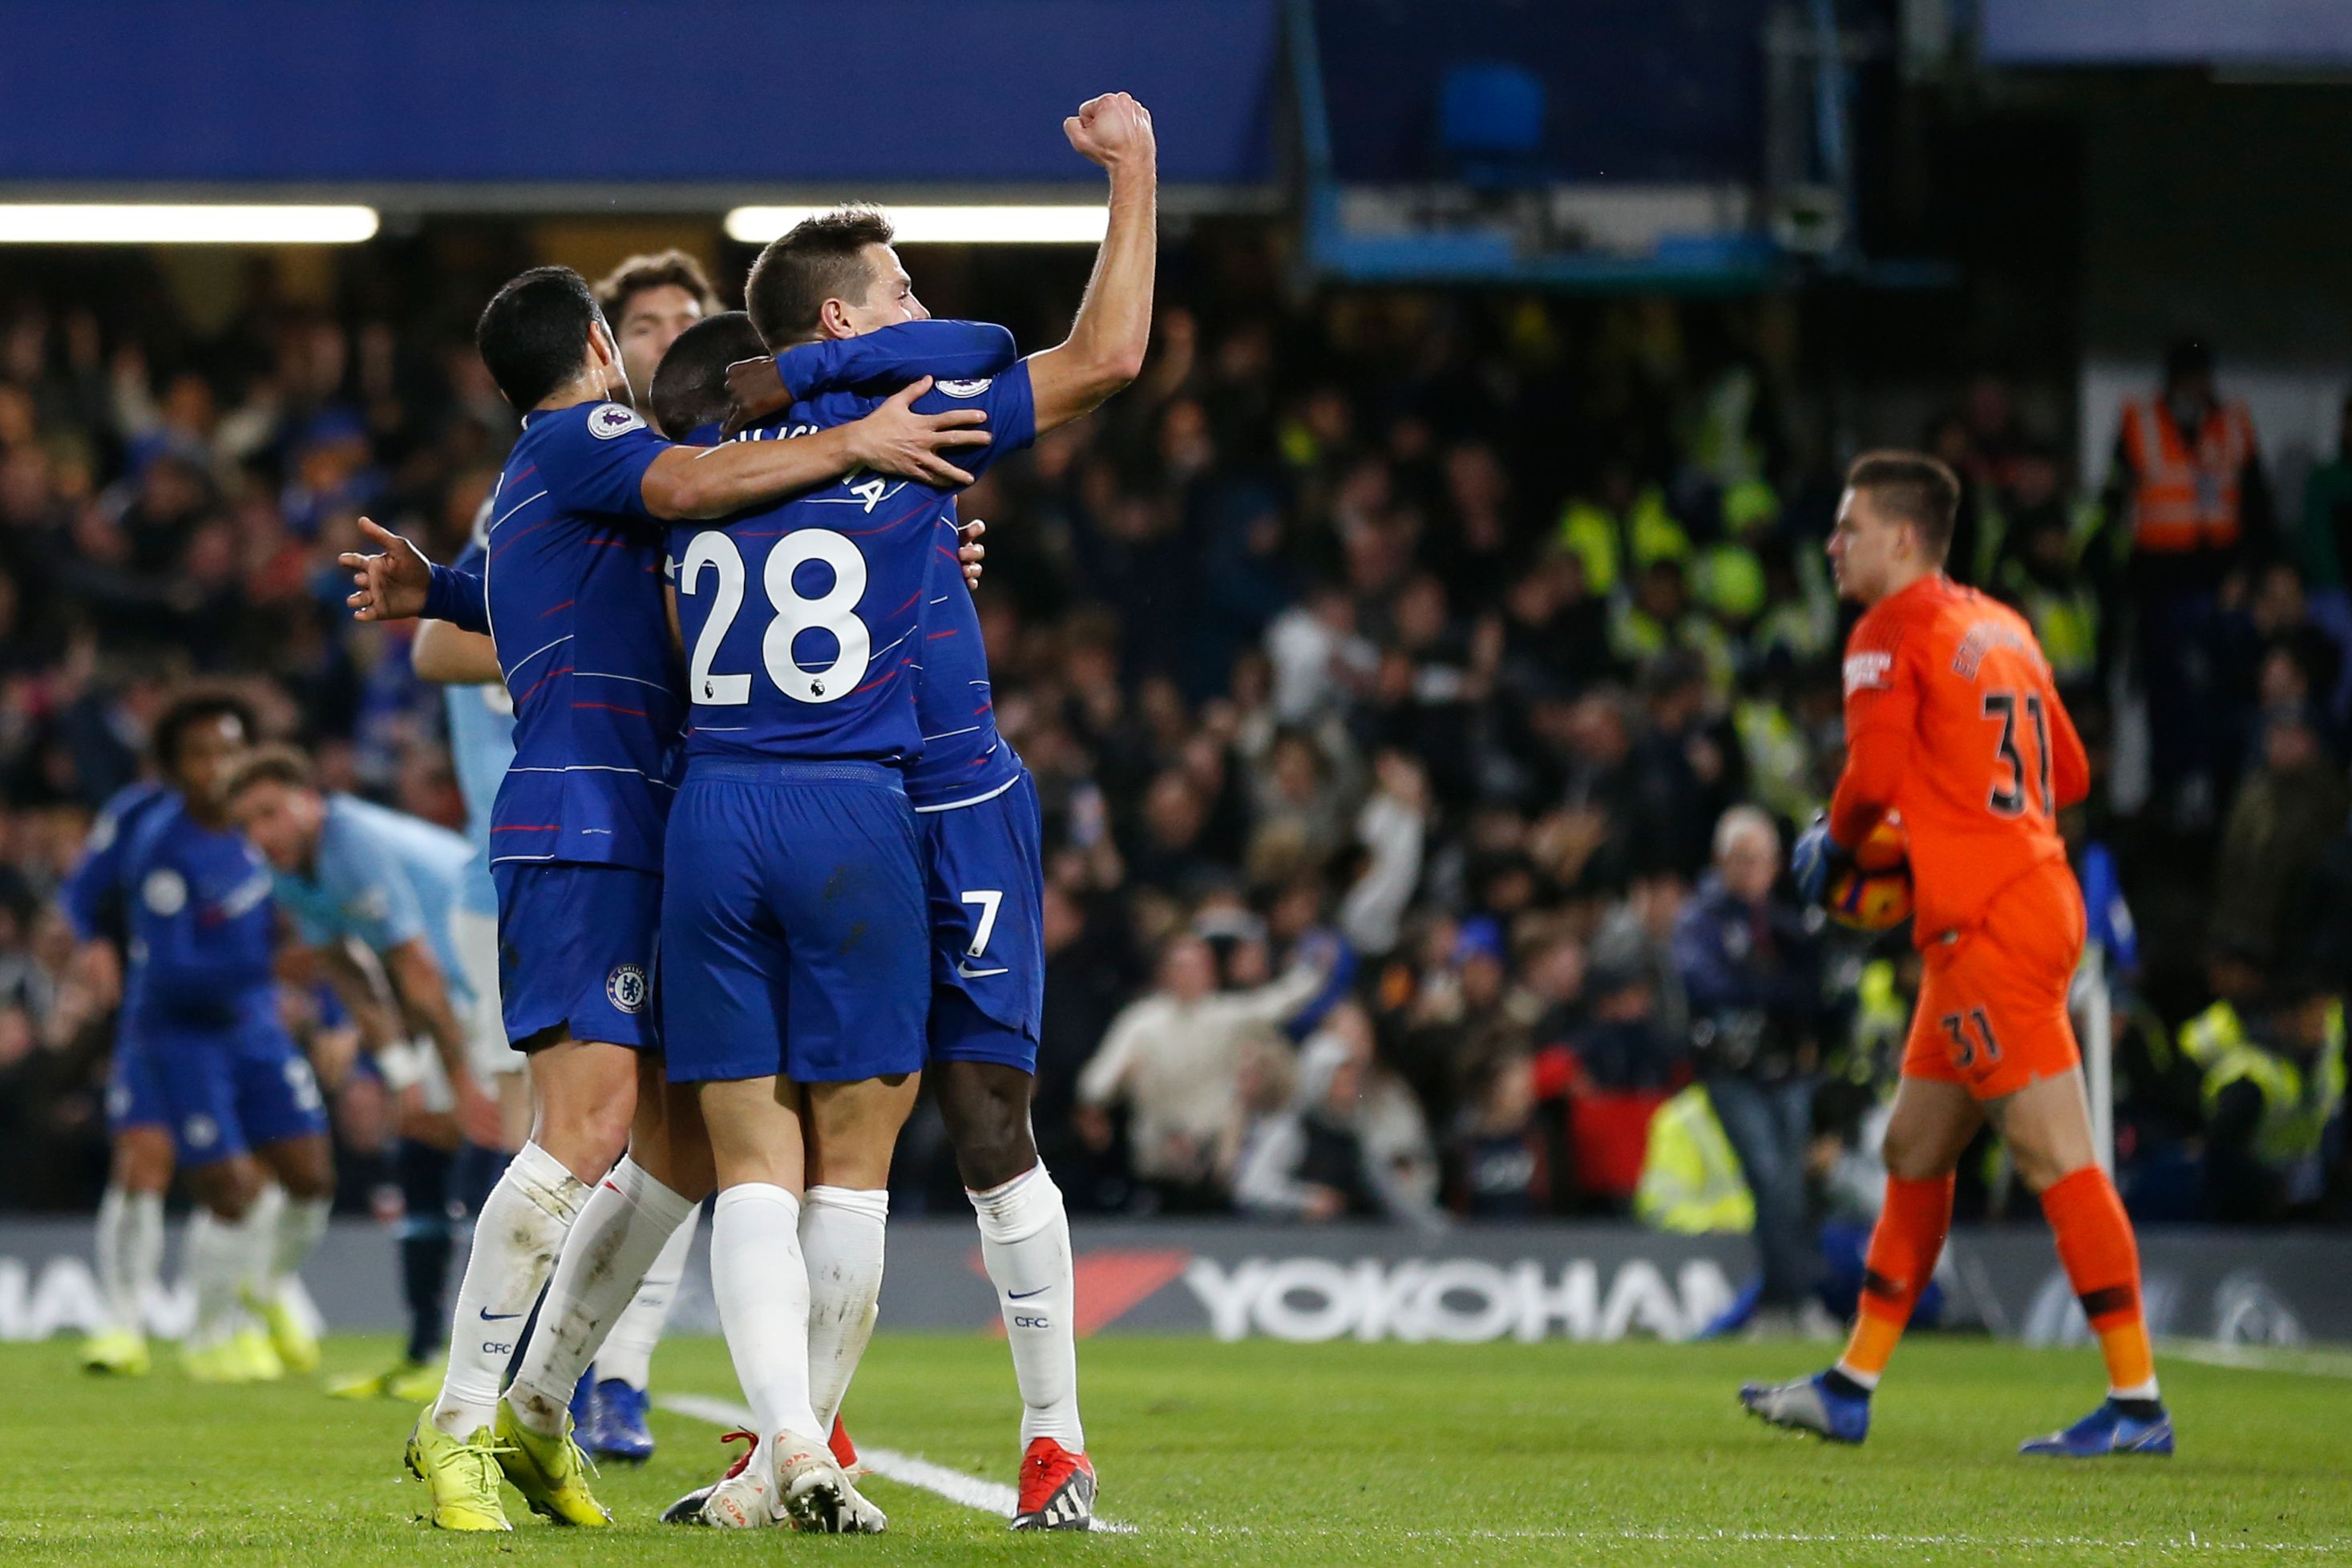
1258	1453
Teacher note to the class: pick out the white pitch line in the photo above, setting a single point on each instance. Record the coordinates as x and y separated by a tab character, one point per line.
2311	1362
907	1469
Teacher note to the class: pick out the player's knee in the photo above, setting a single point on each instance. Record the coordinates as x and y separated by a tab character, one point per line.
1912	1157
994	1156
308	1180
2042	1169
143	1162
228	1189
589	1142
987	1117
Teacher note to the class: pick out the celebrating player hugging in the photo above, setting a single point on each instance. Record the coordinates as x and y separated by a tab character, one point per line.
799	798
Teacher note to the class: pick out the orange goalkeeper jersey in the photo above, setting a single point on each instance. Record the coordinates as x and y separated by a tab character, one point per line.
1951	718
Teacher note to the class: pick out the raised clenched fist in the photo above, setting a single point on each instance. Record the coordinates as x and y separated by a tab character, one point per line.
1113	129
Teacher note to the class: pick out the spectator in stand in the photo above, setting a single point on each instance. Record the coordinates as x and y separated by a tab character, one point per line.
2188	475
2285	813
1313	1156
2268	1103
1752	970
1172	1059
2327	551
1499	1152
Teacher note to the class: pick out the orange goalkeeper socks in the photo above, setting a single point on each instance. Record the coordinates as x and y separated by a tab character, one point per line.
2101	1257
1904	1246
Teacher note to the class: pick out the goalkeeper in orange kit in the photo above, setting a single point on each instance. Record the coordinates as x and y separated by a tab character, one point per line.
1952	720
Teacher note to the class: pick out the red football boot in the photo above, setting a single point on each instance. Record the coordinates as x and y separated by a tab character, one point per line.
1058	1489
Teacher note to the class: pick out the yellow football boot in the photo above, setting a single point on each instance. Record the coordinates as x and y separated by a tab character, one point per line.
257	1355
415	1381
550	1472
410	1382
463	1474
218	1362
297	1346
119	1352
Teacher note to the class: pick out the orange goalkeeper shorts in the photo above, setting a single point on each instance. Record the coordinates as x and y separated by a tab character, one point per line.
1992	1006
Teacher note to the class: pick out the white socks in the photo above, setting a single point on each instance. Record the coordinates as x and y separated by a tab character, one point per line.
1025	1239
517	1236
621	1230
841	1241
760	1281
300	1221
129	1254
223	1256
628	1353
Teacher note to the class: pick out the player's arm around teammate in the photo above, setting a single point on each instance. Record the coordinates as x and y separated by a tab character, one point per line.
683	484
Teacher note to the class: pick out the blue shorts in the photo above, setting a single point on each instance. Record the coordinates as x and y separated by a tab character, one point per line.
793	929
984	866
133	1098
223	1091
576	946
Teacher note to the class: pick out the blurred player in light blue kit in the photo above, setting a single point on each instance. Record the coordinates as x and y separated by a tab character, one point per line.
205	1053
365	881
365	886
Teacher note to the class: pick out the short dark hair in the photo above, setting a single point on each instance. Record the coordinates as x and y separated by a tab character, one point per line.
660	269
689	388
821	258
533	333
274	764
1914	488
200	705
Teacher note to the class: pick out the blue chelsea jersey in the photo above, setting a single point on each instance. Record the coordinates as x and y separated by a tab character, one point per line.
92	894
802	621
572	578
961	758
203	933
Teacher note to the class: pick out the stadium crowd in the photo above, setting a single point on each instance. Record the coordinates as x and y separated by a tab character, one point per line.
1401	676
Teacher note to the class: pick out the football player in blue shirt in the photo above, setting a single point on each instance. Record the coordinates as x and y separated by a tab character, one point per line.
202	1028
480	714
350	871
769	675
574	546
130	1248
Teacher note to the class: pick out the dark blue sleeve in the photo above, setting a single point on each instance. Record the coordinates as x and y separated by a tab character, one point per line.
949	351
1309	1018
92	894
596	458
1011	411
1710	980
460	598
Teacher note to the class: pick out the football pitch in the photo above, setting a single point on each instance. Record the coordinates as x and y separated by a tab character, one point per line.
1258	1452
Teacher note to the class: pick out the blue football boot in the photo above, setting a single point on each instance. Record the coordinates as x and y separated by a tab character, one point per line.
2108	1430
1810	1404
619	1431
